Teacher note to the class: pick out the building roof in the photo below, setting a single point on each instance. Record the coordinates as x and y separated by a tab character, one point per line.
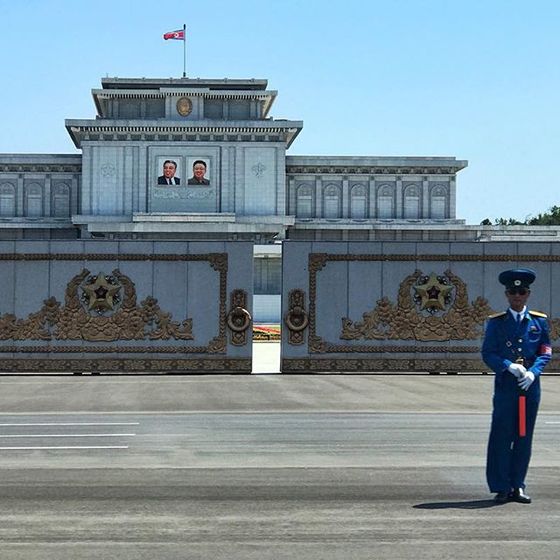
182	83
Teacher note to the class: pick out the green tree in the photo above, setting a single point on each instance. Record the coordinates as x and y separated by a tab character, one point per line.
508	222
550	218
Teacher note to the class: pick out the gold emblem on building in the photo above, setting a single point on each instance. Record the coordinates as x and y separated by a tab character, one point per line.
433	292
101	293
184	106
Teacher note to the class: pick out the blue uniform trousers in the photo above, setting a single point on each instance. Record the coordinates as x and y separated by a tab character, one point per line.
508	454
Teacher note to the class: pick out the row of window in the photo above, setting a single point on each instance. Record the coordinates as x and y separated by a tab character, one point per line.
155	109
385	203
33	201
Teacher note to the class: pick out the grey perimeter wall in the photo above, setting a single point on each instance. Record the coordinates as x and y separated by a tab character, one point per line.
125	306
403	306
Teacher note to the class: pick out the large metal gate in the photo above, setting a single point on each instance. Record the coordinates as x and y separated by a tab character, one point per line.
102	306
402	306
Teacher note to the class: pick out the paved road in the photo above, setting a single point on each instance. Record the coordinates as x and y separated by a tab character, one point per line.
264	467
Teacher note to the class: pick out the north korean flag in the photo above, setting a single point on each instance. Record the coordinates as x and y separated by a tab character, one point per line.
179	35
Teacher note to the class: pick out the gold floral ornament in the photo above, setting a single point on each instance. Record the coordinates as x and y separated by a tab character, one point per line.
101	293
429	308
117	315
433	293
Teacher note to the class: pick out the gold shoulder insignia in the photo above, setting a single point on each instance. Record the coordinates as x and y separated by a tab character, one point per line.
495	315
538	314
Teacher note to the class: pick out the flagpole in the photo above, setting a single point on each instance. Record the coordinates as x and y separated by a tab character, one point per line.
184	50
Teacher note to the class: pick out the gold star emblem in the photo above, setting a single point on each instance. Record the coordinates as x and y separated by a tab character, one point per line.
101	294
433	293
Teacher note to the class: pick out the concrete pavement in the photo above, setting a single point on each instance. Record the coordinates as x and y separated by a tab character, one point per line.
264	466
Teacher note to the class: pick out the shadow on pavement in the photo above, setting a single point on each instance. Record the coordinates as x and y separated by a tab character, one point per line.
469	504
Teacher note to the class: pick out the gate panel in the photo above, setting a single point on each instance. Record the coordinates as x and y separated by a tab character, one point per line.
126	306
406	307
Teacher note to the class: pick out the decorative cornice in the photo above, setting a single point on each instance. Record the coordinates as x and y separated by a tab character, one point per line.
40	168
124	94
255	128
142	94
187	131
369	170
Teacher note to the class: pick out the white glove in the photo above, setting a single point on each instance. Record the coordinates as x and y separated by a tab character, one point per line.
517	369
525	382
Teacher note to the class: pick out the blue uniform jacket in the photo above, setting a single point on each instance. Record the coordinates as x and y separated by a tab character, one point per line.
505	341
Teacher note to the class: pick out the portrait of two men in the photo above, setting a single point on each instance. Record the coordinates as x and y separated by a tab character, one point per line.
170	176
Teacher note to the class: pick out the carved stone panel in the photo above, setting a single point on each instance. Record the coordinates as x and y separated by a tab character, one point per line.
170	307
403	306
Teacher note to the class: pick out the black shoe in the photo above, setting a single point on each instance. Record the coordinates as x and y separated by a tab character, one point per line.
518	495
502	497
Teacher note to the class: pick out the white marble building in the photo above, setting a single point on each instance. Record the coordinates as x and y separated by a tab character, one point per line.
253	190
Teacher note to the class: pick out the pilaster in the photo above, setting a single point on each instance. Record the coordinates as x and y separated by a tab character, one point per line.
318	197
47	195
372	198
74	196
292	202
19	196
425	197
280	182
399	198
452	197
345	198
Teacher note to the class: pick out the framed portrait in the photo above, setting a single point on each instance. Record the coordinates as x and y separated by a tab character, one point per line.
199	171
169	171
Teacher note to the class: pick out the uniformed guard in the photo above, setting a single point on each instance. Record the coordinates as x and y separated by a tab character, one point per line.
516	347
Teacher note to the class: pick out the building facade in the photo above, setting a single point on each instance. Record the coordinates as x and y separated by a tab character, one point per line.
248	188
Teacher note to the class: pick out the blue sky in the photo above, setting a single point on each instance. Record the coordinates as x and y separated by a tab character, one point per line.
478	80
